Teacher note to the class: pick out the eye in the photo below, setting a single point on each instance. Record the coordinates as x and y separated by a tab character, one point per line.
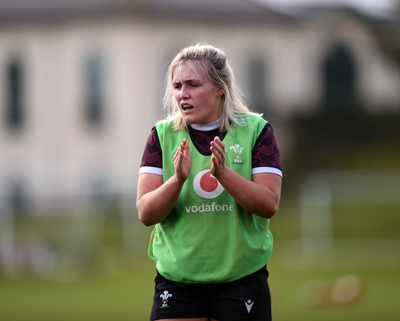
194	84
177	85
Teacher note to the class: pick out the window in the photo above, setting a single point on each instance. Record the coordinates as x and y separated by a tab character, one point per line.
339	77
14	116
94	106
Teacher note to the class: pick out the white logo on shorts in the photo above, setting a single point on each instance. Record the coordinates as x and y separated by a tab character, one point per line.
249	304
164	298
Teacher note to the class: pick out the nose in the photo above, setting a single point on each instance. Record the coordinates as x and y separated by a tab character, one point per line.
184	93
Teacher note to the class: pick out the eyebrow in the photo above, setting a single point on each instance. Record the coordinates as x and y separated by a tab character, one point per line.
187	80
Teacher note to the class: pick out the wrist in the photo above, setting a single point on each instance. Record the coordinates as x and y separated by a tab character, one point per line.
178	180
220	174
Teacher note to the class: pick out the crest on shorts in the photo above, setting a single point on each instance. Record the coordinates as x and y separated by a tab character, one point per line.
164	298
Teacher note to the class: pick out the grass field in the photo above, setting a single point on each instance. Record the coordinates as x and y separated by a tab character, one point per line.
102	283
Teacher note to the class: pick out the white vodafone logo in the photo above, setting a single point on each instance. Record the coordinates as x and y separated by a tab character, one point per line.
206	185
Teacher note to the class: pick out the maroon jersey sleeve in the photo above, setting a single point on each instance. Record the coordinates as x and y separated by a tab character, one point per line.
152	155
265	151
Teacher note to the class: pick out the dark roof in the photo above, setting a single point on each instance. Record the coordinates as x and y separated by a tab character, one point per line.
221	11
308	12
14	10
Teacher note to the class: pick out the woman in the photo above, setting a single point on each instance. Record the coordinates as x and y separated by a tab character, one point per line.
209	181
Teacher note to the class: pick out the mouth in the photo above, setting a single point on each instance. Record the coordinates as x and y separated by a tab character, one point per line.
186	107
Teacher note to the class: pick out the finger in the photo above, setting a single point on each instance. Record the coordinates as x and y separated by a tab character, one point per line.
214	163
181	147
218	151
185	146
219	142
178	154
217	157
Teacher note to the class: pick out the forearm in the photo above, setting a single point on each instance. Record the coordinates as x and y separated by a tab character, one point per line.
257	198
154	206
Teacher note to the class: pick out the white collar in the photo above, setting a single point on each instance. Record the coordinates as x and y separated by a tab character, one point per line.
207	127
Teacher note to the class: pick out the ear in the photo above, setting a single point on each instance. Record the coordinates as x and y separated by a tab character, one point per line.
220	91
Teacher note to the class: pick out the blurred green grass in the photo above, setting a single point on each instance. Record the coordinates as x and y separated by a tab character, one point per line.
103	282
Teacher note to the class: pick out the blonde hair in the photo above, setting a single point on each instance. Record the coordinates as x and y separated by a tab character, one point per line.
213	62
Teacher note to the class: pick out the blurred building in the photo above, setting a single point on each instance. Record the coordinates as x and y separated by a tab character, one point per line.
83	80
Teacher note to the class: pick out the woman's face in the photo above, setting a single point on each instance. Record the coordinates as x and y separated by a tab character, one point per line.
198	99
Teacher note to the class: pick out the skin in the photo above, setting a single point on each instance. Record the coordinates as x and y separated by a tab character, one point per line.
197	97
199	101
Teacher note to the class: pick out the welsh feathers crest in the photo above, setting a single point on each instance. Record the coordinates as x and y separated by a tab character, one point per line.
238	150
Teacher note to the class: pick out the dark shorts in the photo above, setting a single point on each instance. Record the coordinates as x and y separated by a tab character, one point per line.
245	299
